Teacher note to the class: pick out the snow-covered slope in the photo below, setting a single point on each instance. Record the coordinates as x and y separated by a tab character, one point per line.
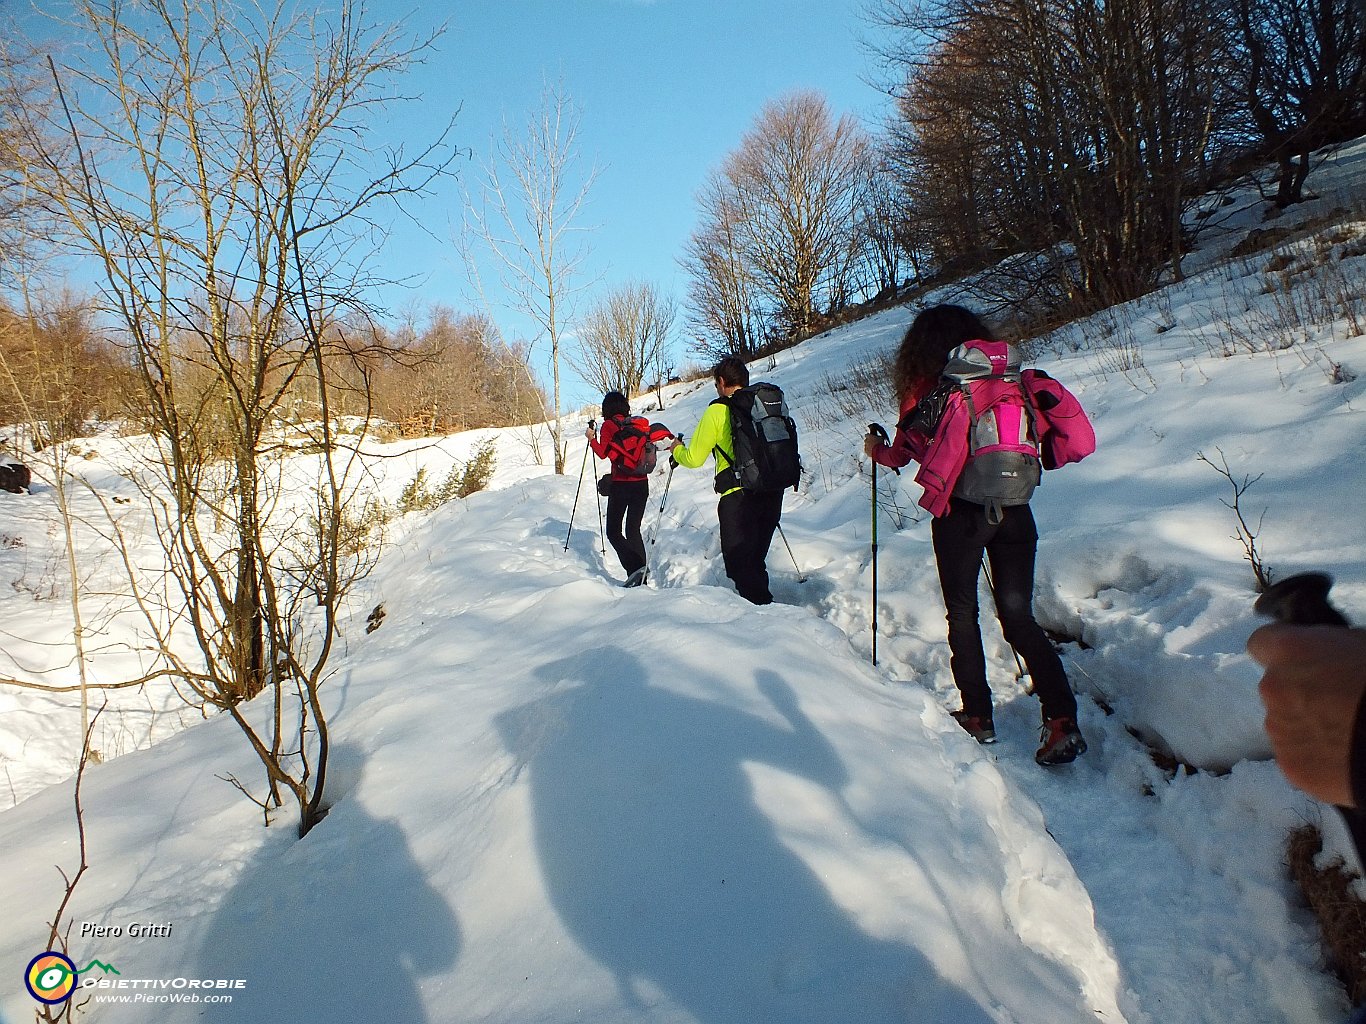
556	799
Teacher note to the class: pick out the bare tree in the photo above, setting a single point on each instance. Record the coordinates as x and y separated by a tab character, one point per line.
1302	76
1081	121
796	181
778	240
724	300
529	200
23	229
228	199
884	233
623	337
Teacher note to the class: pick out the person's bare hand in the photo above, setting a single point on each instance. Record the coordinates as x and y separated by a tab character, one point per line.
1314	680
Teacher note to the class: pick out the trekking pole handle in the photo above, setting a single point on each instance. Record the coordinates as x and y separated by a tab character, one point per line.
1301	601
880	432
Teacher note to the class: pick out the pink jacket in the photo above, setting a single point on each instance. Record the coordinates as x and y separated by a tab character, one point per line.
907	445
1063	431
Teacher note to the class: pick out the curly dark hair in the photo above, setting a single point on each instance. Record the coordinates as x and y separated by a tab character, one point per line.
614	403
933	334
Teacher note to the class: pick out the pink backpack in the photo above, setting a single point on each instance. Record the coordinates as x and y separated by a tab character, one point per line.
992	428
1065	434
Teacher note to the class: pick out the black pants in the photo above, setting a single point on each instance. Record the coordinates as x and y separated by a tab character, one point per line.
748	521
960	538
625	510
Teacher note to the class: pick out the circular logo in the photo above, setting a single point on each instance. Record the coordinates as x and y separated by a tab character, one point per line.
50	977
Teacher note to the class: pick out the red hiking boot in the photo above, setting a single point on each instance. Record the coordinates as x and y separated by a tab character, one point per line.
979	728
1063	742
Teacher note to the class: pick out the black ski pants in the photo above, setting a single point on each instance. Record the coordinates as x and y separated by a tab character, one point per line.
748	522
625	509
960	539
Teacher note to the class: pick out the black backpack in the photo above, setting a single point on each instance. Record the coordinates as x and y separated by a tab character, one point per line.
764	440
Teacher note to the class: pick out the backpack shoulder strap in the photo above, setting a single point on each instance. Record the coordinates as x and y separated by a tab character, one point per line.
622	428
966	391
1031	412
716	449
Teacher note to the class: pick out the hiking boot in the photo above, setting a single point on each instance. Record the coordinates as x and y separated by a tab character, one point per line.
636	578
1062	742
978	727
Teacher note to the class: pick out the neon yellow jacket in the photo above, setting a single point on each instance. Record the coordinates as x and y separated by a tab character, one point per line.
712	437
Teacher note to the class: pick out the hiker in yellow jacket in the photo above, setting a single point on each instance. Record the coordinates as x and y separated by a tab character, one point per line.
748	519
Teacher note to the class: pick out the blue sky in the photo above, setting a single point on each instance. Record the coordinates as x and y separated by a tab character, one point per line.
665	91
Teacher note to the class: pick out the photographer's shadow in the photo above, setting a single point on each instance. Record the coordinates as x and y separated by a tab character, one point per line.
339	924
663	867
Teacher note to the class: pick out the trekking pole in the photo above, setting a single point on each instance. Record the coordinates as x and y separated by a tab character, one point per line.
878	431
668	479
602	543
996	601
801	577
582	466
659	518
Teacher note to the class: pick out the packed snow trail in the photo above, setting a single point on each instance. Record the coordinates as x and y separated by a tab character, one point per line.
593	803
1173	896
713	816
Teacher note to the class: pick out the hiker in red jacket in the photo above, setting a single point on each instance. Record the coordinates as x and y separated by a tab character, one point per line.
964	531
629	443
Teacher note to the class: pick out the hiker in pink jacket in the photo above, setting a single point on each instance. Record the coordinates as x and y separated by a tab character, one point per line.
965	531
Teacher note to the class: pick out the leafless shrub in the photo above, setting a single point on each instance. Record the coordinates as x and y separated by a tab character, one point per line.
1115	348
59	928
210	124
622	338
855	393
1244	533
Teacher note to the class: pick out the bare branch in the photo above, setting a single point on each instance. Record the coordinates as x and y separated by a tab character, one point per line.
1244	533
